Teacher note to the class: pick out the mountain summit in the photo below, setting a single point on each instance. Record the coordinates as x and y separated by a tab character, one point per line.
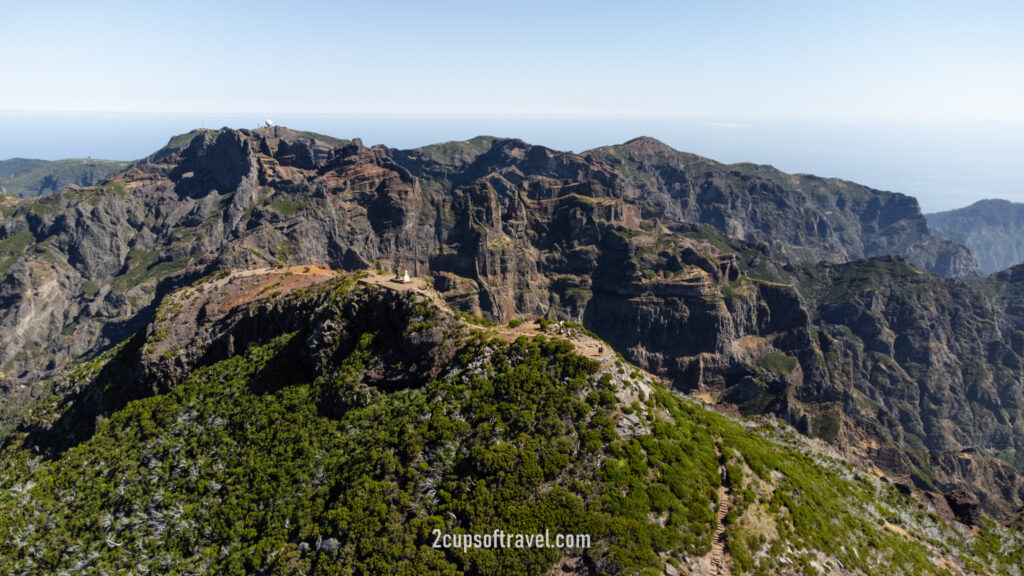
827	304
992	229
483	210
301	421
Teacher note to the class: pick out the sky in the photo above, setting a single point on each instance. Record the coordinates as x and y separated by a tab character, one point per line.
817	87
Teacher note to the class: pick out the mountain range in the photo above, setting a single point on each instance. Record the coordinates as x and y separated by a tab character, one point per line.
25	177
992	229
810	303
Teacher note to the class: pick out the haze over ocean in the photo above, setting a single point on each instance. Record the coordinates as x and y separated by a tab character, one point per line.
944	164
920	97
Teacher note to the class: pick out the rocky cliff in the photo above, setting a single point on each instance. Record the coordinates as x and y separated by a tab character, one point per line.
797	216
708	274
992	229
301	421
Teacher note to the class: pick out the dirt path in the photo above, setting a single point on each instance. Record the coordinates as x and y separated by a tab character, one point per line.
259	283
416	285
586	346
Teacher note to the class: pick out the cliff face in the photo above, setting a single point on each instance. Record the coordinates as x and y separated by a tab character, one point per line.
301	421
693	269
799	217
931	367
992	229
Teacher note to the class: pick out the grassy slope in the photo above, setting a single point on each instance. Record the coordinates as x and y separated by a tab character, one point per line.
16	165
247	458
458	152
53	176
325	139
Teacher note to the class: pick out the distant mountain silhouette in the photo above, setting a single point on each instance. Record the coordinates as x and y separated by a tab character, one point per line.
992	229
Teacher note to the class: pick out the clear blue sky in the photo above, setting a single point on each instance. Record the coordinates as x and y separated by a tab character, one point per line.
920	97
765	60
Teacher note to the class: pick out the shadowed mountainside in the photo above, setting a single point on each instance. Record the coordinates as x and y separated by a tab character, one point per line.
708	274
295	421
23	177
992	229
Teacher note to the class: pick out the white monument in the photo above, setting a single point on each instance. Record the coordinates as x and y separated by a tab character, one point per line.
406	279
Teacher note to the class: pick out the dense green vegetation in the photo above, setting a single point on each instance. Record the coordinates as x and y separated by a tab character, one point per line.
778	363
456	152
323	138
183	140
17	165
269	462
288	207
245	460
12	247
144	265
476	320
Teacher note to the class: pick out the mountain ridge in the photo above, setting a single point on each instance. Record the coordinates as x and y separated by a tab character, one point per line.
276	439
992	229
26	177
639	252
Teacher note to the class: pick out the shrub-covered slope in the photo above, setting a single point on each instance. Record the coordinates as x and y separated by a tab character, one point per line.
26	178
318	425
626	240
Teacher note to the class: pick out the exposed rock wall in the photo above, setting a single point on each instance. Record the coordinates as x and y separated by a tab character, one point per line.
911	372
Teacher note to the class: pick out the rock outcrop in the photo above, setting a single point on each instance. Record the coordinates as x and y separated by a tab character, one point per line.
705	273
965	506
992	229
799	217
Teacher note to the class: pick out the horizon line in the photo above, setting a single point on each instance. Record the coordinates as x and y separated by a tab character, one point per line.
564	115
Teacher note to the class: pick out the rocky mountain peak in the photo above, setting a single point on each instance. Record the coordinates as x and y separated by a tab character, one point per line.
708	274
1013	274
649	145
274	419
458	153
992	229
645	149
214	161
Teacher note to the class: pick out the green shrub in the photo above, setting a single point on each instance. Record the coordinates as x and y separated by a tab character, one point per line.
779	363
288	207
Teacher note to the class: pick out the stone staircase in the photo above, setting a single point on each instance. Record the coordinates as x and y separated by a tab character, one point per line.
718	544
